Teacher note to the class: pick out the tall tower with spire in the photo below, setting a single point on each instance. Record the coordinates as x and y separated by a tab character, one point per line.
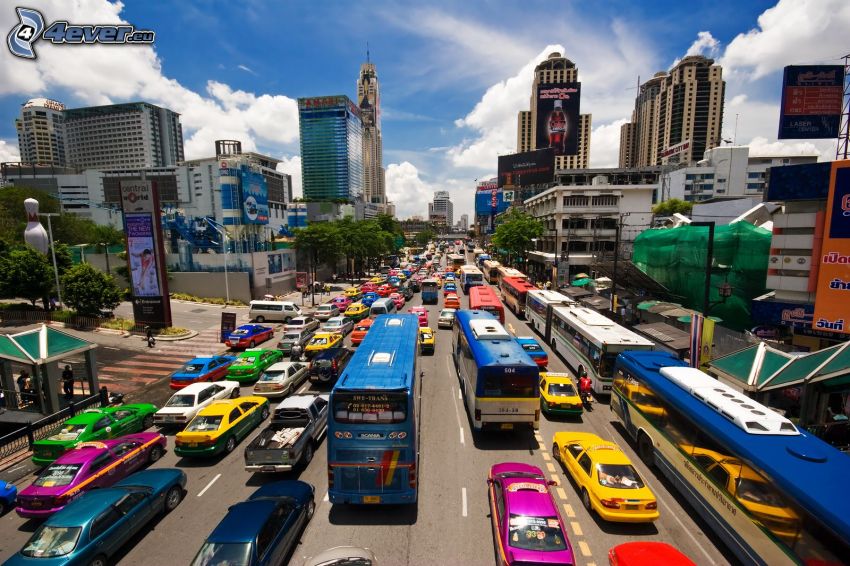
369	101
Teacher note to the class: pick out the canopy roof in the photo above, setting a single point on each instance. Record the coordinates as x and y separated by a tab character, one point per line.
41	345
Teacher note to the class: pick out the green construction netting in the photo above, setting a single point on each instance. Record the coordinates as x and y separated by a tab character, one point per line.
676	258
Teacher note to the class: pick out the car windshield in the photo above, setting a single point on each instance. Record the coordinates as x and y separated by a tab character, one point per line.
203	423
562	389
57	475
318	341
620	476
447	314
224	554
536	533
48	541
69	431
240	332
333	323
192	368
426	335
297	322
246	361
273	375
326	307
362	328
181	401
291	337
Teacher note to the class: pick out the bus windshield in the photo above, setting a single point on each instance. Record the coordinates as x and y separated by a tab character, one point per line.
606	365
370	408
510	385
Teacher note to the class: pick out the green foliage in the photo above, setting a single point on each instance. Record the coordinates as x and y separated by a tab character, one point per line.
672	206
322	240
425	236
209	300
26	273
515	232
88	290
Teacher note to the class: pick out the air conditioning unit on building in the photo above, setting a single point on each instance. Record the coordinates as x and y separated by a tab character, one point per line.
790	262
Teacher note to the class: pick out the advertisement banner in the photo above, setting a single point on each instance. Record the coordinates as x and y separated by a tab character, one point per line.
707	342
811	101
255	197
696	339
142	255
300	279
228	325
832	302
527	168
558	117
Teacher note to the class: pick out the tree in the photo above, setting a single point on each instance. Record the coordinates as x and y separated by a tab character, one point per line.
425	236
515	232
321	242
89	291
26	273
672	206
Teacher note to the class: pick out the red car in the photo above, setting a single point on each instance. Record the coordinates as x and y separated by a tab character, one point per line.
368	288
647	554
249	335
398	299
384	290
360	330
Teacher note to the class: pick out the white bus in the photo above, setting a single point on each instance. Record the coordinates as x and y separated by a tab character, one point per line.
470	276
455	262
589	342
491	271
539	304
505	271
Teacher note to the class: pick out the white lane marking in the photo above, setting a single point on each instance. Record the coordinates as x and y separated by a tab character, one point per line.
459	396
209	485
463	500
15	468
304	388
326	498
681	524
111	348
462	440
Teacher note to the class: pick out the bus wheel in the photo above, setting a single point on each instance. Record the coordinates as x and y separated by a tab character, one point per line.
645	450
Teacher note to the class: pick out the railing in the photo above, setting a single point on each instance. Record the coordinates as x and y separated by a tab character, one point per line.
24	438
75	321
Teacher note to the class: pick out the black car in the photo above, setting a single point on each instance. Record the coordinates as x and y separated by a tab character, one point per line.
415	286
407	292
327	366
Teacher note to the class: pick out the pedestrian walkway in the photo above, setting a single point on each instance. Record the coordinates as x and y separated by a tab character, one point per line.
127	376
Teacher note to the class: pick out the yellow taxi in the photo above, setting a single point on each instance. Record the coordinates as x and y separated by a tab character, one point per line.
352	293
356	312
322	341
426	340
559	395
605	478
377	279
219	426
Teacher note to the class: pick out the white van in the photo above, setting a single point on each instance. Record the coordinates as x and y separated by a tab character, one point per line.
382	306
280	311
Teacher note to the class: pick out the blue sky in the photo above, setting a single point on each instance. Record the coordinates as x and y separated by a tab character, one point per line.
452	74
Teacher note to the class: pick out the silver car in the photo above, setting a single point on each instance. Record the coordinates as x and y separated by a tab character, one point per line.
307	323
326	311
446	318
280	379
338	324
343	556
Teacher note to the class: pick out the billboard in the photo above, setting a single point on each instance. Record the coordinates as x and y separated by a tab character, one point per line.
254	197
484	201
811	101
558	117
528	168
832	302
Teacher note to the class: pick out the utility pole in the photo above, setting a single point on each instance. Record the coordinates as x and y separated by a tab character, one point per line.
50	215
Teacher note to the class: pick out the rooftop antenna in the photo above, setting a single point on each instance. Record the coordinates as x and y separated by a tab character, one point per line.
367	53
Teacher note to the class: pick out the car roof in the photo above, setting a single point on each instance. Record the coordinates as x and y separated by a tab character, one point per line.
199	360
194	388
528	496
221	407
243	521
526	340
329	353
84	509
556	377
299	401
86	417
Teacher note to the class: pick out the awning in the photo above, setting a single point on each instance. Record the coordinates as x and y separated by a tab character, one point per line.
645	305
661	307
582	282
687	318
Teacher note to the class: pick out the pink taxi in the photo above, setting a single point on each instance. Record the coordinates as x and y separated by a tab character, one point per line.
88	466
422	313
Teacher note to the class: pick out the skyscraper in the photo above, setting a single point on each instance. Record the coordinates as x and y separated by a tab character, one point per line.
369	100
331	133
555	71
441	211
677	116
41	132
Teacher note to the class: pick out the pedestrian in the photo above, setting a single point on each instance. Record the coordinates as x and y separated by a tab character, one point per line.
68	382
22	380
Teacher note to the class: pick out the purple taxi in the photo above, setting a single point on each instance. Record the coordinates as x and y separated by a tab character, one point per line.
89	465
527	527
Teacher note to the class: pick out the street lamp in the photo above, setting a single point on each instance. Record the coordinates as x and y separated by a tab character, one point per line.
50	215
106	252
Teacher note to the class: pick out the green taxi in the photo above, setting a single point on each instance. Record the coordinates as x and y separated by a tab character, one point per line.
93	424
251	363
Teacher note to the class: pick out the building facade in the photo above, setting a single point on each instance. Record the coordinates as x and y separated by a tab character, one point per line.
369	100
133	135
678	115
556	69
464	222
331	140
41	132
441	211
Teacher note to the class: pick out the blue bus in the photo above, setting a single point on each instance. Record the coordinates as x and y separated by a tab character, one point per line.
769	490
430	291
498	378
373	424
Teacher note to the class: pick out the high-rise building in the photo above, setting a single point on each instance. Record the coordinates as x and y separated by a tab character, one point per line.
677	116
133	135
369	101
331	148
41	132
555	70
464	222
441	211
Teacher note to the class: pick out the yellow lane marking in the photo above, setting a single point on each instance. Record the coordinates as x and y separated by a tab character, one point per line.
555	479
546	456
551	467
561	493
585	550
568	509
591	564
576	528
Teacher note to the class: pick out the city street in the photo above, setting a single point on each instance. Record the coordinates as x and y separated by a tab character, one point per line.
449	525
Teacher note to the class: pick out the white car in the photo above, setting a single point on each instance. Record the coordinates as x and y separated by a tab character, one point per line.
446	318
338	325
326	311
307	323
185	404
280	379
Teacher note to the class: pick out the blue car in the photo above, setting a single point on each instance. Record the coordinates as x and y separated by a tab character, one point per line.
262	530
249	335
207	368
94	527
368	298
8	493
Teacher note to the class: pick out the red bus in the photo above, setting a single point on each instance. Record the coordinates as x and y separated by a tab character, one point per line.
513	293
484	297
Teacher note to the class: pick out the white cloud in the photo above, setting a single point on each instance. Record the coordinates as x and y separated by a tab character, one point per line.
247	69
605	147
705	44
761	146
9	151
792	32
292	166
411	193
117	74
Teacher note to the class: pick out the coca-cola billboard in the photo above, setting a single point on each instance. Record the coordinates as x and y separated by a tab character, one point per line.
528	168
558	117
